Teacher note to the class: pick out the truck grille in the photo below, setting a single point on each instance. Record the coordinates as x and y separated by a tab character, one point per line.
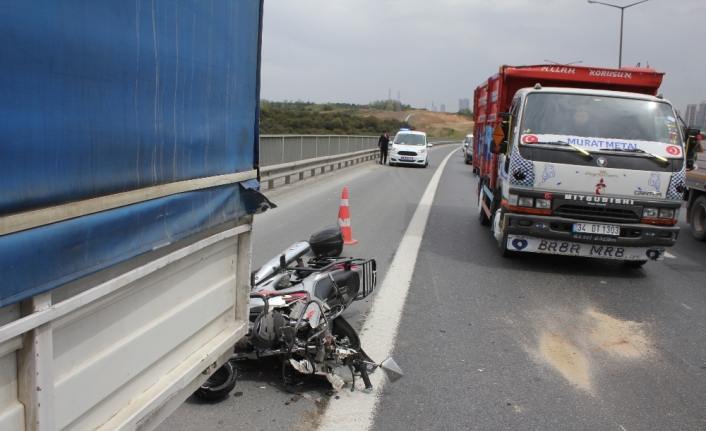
586	212
407	153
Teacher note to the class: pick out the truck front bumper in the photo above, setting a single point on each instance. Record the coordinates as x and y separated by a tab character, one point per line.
560	228
554	235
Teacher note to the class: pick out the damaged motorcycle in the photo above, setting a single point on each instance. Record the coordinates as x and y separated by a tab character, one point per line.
295	315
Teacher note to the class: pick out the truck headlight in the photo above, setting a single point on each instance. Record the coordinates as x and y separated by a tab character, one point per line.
525	201
543	203
512	200
666	213
650	212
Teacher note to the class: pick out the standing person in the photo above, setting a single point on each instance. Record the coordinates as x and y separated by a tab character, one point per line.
382	144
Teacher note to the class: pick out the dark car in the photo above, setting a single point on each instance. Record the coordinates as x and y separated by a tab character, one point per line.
468	149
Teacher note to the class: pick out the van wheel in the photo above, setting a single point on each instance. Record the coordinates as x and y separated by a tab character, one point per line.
697	220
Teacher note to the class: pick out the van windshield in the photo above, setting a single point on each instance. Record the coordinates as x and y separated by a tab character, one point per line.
600	117
410	139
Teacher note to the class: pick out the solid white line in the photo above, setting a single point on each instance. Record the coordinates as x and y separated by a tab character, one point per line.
355	411
669	255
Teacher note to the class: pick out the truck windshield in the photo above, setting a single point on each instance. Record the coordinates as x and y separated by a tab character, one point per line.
600	117
409	139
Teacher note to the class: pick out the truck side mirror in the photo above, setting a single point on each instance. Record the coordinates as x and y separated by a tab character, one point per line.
693	141
500	148
501	134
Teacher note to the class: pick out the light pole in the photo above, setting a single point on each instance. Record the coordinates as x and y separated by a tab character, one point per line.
622	10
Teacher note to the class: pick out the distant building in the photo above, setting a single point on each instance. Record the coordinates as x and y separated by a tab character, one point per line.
464	104
442	108
701	115
690	116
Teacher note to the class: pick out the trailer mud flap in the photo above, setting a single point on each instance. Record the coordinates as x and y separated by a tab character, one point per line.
567	248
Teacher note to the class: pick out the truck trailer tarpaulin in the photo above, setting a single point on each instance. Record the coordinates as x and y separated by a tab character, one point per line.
99	101
129	156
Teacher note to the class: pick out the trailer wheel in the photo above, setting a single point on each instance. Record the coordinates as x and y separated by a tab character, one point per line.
482	217
698	219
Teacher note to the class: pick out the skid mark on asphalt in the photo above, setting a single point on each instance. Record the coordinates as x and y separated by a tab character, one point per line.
571	344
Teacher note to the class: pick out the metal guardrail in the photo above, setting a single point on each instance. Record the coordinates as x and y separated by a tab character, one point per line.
286	170
280	149
297	155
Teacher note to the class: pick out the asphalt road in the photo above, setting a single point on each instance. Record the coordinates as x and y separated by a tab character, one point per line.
532	342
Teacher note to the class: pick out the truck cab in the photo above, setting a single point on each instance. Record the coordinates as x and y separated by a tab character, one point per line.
588	173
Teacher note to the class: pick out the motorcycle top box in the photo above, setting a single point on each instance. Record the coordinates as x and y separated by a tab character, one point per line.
327	242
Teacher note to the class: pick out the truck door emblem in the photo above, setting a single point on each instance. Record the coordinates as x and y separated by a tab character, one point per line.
600	187
655	180
548	172
602	162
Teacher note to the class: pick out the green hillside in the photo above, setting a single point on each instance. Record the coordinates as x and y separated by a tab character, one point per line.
307	118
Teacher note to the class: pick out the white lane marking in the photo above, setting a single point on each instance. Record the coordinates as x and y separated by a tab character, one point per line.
408	117
354	411
669	255
685	306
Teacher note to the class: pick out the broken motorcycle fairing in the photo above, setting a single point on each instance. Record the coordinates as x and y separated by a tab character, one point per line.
295	313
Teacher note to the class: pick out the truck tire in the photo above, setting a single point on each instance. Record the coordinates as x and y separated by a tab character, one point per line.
221	382
482	217
501	236
697	221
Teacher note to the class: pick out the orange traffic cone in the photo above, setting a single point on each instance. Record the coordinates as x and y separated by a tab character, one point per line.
344	219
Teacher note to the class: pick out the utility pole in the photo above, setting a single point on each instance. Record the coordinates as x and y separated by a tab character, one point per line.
622	11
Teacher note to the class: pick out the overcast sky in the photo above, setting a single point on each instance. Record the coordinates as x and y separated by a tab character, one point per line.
354	51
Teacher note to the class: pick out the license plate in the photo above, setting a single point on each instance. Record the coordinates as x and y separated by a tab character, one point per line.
407	158
598	229
568	248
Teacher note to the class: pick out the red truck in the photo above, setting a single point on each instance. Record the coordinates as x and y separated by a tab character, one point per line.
580	161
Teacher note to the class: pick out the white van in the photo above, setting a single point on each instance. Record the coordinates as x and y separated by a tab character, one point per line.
409	148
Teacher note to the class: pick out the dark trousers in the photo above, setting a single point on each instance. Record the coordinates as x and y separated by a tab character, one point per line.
383	155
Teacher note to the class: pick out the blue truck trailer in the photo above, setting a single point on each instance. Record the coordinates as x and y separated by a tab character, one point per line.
128	185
